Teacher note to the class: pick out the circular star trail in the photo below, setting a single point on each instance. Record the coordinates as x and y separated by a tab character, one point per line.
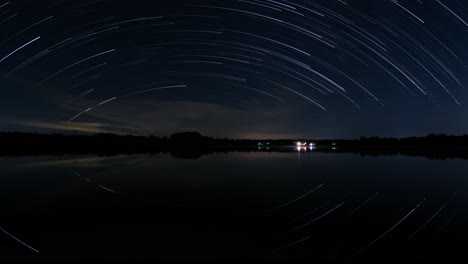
245	68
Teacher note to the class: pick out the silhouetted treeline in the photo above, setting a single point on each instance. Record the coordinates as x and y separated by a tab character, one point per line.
14	143
432	140
193	145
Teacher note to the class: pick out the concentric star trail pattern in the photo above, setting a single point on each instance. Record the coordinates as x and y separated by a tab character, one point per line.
245	68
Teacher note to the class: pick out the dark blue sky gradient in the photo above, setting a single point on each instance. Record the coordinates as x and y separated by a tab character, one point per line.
253	68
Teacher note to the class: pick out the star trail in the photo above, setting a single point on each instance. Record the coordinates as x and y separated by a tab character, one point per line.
238	68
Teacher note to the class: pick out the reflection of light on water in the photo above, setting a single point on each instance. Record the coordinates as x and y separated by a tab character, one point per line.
300	148
303	146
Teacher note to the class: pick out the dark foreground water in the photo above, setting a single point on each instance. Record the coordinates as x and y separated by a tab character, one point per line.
238	206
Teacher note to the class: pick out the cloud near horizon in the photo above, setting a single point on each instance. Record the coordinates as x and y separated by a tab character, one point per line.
151	117
83	127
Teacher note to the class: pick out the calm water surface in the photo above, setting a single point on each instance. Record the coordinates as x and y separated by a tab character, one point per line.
236	206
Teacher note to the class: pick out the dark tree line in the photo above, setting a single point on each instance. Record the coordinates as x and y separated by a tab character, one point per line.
432	140
193	144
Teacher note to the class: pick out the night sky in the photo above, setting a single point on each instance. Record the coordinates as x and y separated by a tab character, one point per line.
246	68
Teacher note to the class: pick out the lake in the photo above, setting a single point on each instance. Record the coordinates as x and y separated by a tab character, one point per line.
233	206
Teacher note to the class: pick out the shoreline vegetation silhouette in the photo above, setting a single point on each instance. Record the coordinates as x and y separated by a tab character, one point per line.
194	145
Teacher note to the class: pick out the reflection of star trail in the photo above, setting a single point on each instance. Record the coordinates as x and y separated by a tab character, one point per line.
88	180
389	230
298	198
293	243
321	55
319	217
310	212
359	207
19	241
429	220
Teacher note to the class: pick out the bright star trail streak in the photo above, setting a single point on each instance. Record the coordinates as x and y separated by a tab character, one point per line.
4	4
33	25
76	63
409	12
453	13
18	49
126	95
320	68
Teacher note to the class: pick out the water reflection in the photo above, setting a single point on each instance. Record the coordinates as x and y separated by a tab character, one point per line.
242	205
301	149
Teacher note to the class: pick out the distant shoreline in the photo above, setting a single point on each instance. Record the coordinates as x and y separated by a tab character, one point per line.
194	145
